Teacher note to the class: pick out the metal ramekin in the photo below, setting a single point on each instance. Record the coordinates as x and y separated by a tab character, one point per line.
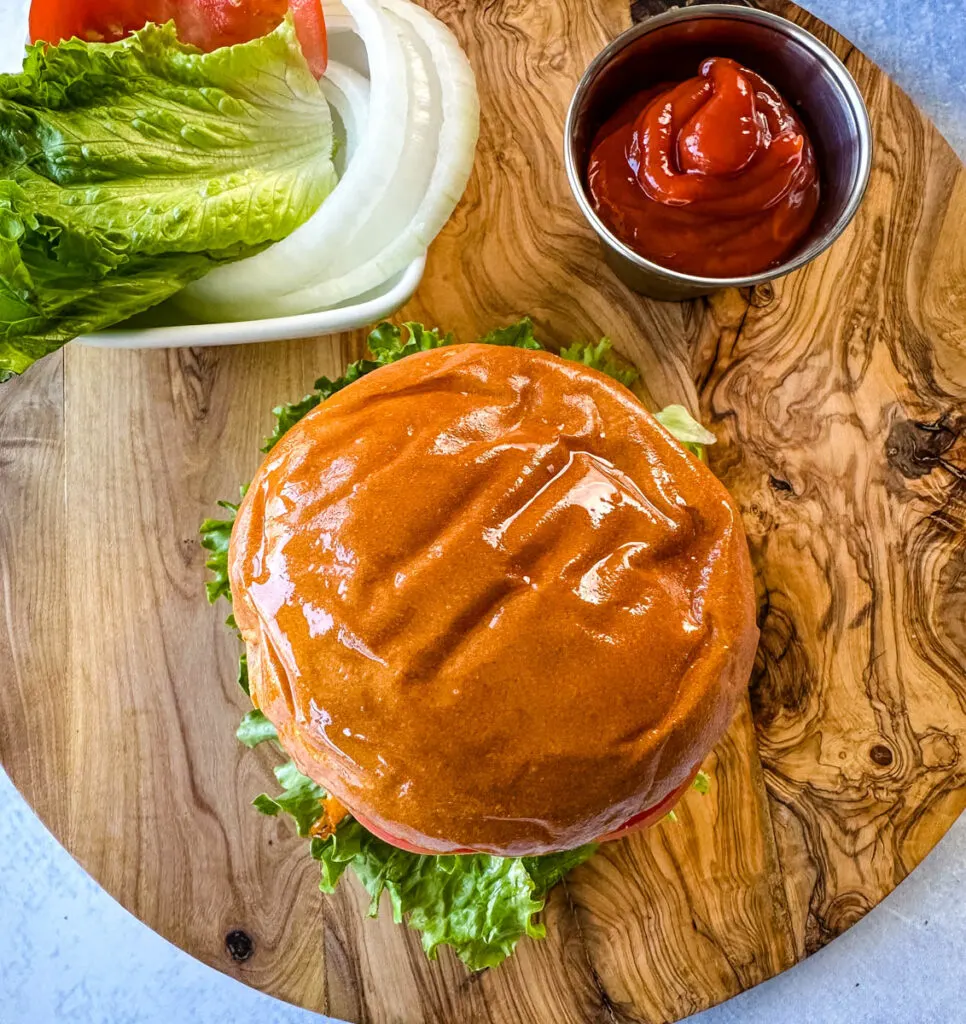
669	47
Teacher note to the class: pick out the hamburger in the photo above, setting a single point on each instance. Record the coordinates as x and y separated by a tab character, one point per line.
493	610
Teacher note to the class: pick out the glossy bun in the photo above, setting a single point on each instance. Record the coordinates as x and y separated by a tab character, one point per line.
489	603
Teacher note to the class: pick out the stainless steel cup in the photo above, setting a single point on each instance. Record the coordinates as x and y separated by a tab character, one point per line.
669	47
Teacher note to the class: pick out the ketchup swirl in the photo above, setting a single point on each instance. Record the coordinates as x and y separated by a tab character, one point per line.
714	176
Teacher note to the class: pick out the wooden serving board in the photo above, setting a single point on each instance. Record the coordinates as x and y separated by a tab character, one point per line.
839	397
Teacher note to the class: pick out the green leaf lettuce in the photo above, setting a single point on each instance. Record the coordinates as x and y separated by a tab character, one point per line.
600	356
677	421
255	728
389	343
300	798
479	904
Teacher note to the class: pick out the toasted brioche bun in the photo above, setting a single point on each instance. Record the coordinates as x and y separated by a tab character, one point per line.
490	603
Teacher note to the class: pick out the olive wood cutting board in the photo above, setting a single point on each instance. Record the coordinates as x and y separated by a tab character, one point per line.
839	398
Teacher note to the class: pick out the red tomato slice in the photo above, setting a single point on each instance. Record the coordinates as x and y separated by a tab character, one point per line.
310	29
649	817
92	21
207	24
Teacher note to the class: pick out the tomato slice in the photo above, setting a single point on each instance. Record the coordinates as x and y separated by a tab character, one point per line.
207	24
310	29
649	817
91	20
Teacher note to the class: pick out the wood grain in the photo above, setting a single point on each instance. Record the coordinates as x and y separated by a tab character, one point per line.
840	446
34	717
839	397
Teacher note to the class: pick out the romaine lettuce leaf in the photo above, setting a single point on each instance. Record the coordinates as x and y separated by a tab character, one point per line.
128	169
54	287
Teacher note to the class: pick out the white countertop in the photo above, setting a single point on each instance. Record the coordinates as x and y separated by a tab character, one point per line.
70	953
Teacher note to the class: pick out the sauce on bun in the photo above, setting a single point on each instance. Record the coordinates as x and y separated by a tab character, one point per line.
490	604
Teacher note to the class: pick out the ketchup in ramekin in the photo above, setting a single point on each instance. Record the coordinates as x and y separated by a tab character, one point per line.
714	176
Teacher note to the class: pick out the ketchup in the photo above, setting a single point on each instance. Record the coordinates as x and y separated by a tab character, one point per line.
714	176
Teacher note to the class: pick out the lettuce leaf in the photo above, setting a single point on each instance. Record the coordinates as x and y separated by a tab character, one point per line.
389	343
215	537
600	356
518	335
479	904
52	288
129	169
255	728
678	422
301	798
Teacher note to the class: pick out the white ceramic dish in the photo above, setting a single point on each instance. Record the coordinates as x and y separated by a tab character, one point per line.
160	328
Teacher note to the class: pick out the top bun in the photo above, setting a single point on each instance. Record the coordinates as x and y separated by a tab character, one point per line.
490	603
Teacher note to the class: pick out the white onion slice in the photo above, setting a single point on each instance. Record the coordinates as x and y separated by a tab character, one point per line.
348	92
333	9
241	290
401	201
346	45
454	152
339	23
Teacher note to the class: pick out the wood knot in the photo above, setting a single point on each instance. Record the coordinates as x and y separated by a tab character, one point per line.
240	945
938	749
844	911
881	755
778	484
762	295
783	677
915	448
193	374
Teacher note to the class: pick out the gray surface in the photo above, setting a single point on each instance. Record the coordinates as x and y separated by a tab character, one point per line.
70	953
